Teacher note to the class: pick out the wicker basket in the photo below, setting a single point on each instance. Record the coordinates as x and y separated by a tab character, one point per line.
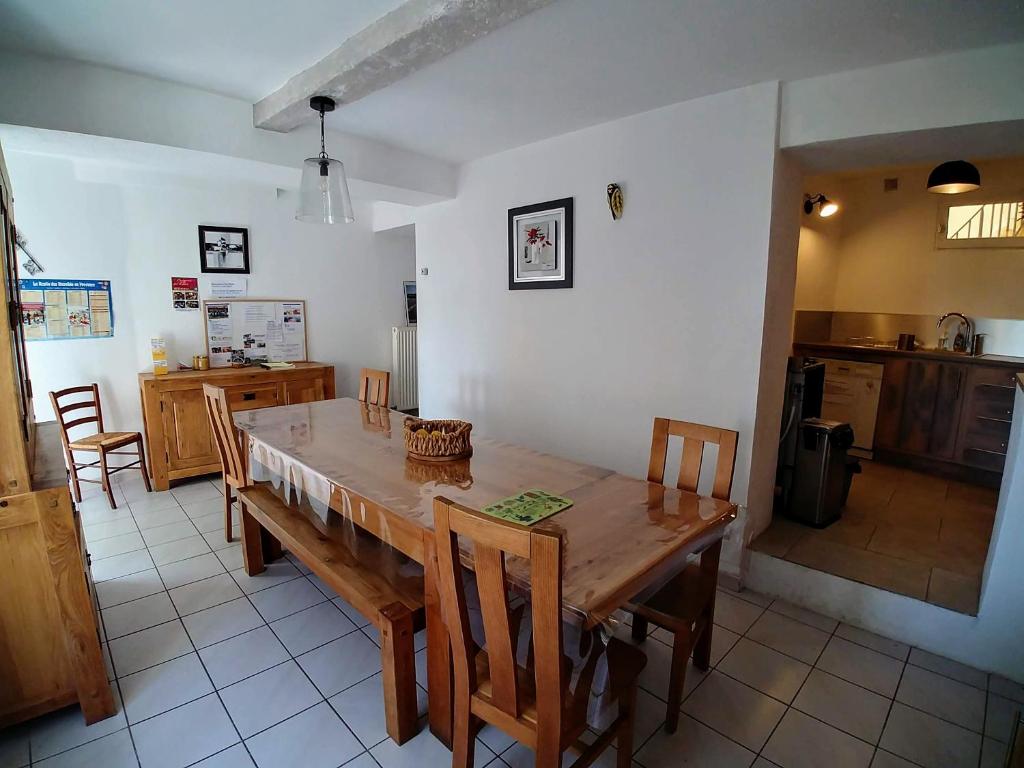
437	439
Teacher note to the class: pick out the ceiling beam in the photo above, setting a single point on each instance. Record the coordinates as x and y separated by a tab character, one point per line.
415	34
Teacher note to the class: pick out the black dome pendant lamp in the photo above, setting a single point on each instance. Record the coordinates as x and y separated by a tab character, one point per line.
954	177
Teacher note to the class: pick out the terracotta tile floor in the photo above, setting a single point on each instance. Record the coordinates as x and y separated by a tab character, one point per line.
903	531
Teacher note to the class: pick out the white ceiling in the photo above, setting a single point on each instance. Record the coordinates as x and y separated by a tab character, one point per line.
572	64
243	48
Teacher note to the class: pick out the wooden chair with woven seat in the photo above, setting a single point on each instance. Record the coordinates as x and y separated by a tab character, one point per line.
229	446
685	606
374	386
103	443
531	702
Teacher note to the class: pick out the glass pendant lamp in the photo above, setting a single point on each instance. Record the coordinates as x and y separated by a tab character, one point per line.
323	194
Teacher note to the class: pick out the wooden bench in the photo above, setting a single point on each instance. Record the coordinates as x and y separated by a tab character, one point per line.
370	583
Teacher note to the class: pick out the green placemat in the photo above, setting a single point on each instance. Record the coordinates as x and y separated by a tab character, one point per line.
528	507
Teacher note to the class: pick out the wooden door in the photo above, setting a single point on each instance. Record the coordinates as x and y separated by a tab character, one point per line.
303	391
187	437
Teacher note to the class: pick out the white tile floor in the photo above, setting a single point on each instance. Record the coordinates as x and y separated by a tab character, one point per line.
219	670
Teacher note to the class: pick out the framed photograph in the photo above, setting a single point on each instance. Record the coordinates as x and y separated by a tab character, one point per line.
540	245
224	250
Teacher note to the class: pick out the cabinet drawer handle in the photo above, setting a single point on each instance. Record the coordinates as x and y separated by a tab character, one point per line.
248	395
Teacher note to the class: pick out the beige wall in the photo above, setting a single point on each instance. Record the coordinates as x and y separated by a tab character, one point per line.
878	253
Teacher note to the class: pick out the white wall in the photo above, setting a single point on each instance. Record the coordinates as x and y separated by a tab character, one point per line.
963	88
140	236
666	315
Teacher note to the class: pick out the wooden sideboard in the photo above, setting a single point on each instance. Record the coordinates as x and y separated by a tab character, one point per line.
177	430
50	653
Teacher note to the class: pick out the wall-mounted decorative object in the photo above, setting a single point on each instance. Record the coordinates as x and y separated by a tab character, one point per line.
224	250
615	201
540	245
826	207
410	301
323	194
255	331
185	294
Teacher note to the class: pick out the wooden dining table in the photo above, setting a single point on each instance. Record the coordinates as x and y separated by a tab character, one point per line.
622	535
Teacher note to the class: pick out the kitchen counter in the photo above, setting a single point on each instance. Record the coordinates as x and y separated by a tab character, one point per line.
826	348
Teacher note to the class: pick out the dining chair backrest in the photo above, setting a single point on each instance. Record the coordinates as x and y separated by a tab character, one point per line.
694	436
374	386
491	542
225	435
90	403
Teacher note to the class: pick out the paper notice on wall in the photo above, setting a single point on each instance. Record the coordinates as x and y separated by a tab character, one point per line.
219	332
293	331
227	287
185	294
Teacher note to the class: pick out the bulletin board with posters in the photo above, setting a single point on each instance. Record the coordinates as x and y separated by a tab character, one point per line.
249	331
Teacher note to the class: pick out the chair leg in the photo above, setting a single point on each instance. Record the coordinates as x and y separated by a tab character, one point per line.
624	738
143	467
463	738
105	477
76	486
681	645
227	511
398	660
639	628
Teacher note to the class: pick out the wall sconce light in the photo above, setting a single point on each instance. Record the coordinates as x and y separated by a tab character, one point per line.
826	207
954	177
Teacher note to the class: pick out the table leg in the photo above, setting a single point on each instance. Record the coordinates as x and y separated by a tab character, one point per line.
398	659
709	565
439	661
252	542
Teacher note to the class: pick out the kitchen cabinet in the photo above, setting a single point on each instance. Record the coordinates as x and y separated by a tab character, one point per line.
936	411
177	429
984	430
919	407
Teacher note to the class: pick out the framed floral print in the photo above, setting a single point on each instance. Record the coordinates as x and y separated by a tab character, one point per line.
540	245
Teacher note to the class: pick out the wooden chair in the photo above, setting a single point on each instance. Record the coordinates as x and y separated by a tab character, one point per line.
531	703
105	444
685	606
229	446
374	386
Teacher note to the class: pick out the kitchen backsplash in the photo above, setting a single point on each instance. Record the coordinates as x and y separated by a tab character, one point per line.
1002	337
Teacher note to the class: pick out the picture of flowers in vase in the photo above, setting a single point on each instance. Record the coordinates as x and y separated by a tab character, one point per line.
539	252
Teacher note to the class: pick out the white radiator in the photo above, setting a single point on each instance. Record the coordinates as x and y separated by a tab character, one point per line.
404	383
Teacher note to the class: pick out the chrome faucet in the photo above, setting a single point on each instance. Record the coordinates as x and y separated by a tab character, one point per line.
964	331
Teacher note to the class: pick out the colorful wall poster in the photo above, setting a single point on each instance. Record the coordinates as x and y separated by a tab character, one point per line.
185	294
52	310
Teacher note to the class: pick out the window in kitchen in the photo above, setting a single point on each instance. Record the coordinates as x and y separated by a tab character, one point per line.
998	223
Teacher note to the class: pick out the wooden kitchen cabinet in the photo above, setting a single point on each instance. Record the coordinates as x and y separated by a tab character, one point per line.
984	430
919	407
177	429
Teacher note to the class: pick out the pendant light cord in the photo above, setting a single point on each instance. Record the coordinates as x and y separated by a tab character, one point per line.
323	146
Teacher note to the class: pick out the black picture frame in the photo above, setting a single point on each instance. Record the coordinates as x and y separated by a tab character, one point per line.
204	265
566	205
